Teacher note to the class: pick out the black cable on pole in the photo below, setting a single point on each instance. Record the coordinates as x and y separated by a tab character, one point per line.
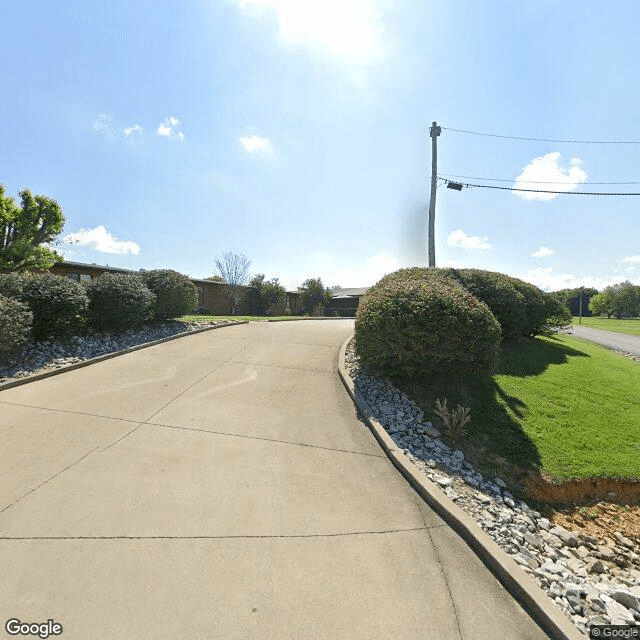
569	193
495	135
451	175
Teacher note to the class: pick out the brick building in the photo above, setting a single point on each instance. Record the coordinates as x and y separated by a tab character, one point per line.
212	296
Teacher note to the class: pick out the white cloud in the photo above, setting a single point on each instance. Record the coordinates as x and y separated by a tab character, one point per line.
632	259
544	278
257	145
103	124
459	238
542	252
101	240
171	128
546	174
135	129
349	29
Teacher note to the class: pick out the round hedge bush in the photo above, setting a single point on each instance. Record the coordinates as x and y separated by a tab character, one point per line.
58	304
175	294
536	308
10	285
417	321
119	301
498	292
15	325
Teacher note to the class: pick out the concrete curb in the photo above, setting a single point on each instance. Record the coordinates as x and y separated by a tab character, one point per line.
108	356
534	600
309	318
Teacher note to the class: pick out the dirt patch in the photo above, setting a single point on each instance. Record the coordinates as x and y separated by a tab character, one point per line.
581	490
599	507
601	520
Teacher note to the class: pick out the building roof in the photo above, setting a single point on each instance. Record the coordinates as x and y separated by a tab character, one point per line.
93	265
106	267
350	293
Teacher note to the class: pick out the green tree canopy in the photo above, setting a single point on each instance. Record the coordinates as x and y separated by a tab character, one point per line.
25	230
313	292
268	292
601	303
622	299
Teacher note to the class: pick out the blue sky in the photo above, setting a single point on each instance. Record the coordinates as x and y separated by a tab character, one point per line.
296	132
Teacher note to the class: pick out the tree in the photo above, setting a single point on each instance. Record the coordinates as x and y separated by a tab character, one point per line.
601	303
313	293
571	299
626	299
215	278
234	270
268	292
25	230
618	300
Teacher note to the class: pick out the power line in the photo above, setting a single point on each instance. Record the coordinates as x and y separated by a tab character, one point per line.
451	175
570	193
495	135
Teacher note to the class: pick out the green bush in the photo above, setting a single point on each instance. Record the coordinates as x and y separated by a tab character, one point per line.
15	325
58	304
557	314
536	308
498	292
118	301
417	321
175	294
10	285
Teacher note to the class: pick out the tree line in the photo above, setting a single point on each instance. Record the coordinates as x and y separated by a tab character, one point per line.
618	300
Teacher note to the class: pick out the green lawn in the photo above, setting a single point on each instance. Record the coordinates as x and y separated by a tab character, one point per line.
625	325
251	318
559	405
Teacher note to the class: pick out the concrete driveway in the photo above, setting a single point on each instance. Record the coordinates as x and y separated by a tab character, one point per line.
222	486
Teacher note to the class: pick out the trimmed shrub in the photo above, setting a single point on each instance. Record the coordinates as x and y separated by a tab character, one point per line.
175	294
15	325
417	321
119	301
497	291
58	304
557	316
10	285
536	308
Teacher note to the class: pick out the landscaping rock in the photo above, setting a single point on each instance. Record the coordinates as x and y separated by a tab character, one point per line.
578	572
46	355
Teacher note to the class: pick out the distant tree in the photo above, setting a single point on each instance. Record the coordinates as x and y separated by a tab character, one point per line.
571	299
215	278
25	229
234	270
268	292
626	299
618	300
312	293
602	303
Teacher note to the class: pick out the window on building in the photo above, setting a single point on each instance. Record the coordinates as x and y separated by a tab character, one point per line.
85	277
200	296
74	276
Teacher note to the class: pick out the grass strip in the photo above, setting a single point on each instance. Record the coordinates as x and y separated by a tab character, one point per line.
558	405
629	326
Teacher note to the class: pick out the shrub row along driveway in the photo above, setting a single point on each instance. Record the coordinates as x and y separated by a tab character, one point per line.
616	341
222	486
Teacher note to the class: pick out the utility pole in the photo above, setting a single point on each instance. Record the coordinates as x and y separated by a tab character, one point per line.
580	320
434	132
